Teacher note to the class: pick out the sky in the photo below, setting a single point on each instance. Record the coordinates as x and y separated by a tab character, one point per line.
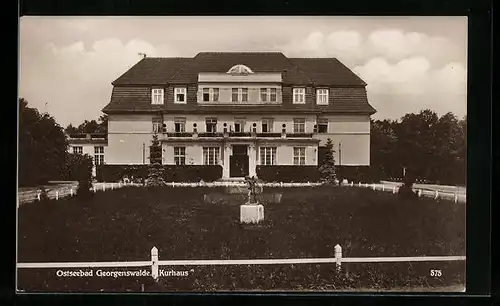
67	64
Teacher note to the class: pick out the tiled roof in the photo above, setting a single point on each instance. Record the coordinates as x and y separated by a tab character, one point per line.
321	71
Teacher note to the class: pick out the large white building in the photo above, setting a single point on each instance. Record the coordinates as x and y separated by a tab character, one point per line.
238	110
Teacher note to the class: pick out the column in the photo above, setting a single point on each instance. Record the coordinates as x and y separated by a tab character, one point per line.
252	159
225	160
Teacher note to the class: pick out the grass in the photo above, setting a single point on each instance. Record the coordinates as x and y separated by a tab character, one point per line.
124	224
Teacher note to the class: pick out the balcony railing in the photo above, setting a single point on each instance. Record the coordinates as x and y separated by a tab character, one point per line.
300	135
239	134
179	134
268	134
214	134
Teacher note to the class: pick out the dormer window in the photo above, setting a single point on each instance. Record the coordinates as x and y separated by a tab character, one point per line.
239	69
157	96
180	95
299	95
322	96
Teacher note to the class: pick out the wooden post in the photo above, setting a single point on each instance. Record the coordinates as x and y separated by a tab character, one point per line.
456	198
93	188
119	184
103	186
394	189
112	186
281	184
373	186
338	257
71	191
436	195
366	185
419	193
352	183
154	263
383	189
57	195
38	196
359	184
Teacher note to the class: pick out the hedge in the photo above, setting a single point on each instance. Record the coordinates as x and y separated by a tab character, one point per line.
288	173
171	173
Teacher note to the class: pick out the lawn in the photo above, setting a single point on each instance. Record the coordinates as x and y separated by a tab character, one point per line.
124	224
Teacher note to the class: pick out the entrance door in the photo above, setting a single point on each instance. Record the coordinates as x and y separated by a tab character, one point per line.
238	162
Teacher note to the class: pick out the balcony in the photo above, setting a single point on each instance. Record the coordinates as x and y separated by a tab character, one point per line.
299	135
268	134
179	134
239	134
212	134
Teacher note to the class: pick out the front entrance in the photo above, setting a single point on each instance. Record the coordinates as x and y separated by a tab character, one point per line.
238	162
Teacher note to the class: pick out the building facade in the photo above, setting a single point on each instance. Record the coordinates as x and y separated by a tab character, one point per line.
239	110
91	144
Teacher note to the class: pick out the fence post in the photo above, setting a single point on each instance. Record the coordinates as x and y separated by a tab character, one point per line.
38	196
154	263
394	189
57	195
119	184
366	185
71	191
373	186
352	183
103	186
436	195
112	186
456	198
338	257
383	189
359	184
93	188
419	193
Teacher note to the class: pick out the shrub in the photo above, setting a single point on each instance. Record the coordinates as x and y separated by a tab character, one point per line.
406	190
171	173
327	164
288	173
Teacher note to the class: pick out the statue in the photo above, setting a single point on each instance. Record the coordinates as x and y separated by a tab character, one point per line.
252	189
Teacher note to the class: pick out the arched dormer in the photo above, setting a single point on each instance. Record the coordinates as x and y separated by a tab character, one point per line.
239	69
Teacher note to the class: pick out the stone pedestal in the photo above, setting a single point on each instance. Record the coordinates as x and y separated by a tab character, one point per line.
251	213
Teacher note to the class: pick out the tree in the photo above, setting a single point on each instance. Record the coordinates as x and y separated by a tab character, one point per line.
100	126
382	142
327	164
42	146
155	169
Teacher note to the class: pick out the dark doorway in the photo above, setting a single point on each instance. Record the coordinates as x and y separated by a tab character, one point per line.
238	162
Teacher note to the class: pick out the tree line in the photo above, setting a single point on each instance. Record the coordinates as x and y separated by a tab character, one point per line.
430	147
433	148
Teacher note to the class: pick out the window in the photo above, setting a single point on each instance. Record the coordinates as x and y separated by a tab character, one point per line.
299	125
210	155
322	96
267	125
268	155
157	124
234	95
322	125
215	94
211	125
299	95
239	125
180	94
157	96
244	94
263	94
206	94
180	155
180	124
98	155
274	95
299	156
78	150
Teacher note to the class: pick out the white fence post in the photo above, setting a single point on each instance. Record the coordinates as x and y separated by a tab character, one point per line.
436	195
93	188
119	184
71	191
373	186
359	184
456	198
394	189
57	195
154	263
338	257
366	185
383	189
38	196
352	183
419	193
103	186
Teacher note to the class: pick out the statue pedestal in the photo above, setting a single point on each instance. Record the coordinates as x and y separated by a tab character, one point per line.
251	213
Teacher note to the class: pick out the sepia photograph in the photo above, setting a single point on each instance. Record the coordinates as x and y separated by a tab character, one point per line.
241	154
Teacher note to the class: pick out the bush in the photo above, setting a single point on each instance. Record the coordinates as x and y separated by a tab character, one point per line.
288	173
171	173
78	167
327	164
406	190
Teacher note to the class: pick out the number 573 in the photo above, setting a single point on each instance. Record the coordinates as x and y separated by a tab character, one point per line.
437	273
